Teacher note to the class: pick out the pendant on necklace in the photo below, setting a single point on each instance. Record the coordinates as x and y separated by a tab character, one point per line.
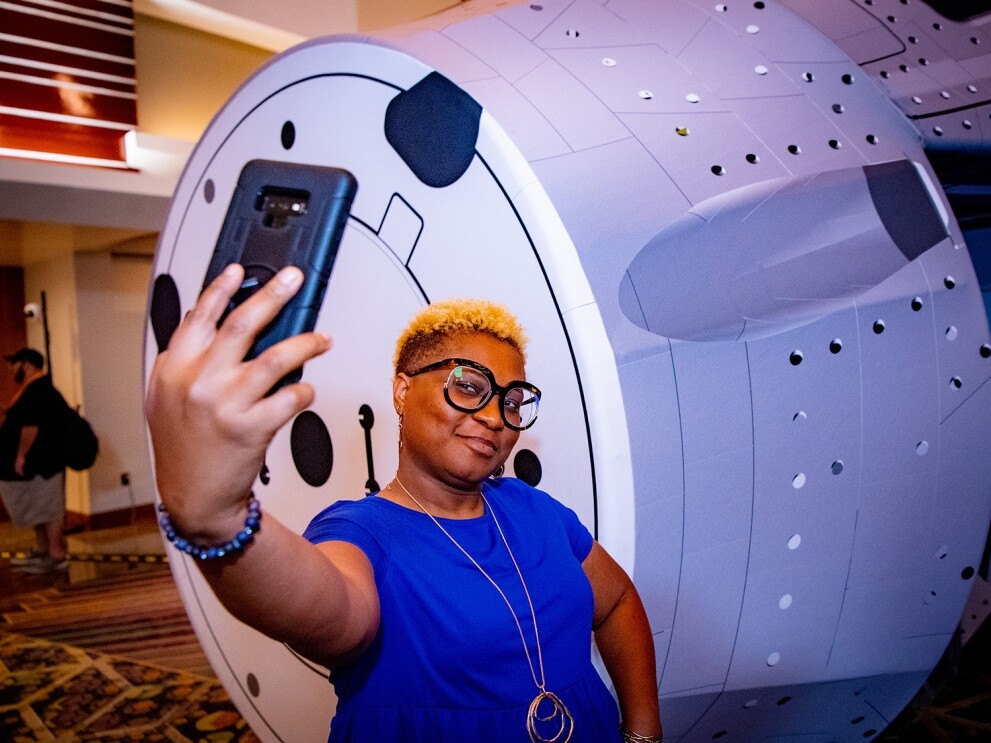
557	716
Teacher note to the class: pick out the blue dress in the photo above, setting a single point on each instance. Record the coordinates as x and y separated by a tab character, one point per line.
447	664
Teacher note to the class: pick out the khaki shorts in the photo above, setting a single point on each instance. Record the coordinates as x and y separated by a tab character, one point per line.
34	502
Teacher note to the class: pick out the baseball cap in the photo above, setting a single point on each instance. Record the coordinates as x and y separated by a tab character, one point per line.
29	355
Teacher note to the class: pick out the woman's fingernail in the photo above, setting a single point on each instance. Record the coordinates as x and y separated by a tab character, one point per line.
231	269
289	275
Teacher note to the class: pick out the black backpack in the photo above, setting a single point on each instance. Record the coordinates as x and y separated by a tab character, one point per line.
76	442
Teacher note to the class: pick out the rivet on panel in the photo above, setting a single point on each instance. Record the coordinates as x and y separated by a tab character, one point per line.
682	131
796	358
952	333
879	327
692	98
773	659
752	29
609	62
956	383
752	158
718	170
761	69
785	601
798	481
646	95
795	542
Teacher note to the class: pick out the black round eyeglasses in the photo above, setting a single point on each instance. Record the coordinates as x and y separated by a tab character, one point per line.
470	386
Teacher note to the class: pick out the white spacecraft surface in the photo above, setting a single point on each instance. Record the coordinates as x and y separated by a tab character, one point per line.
753	311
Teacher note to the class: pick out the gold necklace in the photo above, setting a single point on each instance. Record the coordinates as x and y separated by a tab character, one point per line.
566	724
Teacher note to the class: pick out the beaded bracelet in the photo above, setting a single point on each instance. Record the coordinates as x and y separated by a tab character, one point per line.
252	525
630	737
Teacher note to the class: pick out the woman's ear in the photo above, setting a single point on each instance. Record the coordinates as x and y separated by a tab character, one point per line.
400	385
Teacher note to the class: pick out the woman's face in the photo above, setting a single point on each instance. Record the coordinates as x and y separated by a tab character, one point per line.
459	448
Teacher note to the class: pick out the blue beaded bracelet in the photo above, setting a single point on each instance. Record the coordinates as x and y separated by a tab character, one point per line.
252	525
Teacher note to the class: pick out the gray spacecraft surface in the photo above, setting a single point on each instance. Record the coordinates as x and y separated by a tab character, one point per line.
753	311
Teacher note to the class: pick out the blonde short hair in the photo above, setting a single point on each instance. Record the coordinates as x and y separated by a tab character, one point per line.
432	326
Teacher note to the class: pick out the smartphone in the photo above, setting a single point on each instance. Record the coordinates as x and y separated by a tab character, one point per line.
284	214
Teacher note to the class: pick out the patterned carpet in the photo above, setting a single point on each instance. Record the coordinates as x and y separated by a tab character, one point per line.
55	692
108	660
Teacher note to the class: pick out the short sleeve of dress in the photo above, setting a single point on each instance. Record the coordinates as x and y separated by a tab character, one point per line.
579	537
547	508
352	522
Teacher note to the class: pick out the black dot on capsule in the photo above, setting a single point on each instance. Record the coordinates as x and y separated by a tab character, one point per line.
311	447
527	467
879	327
166	310
835	345
985	351
288	135
967	573
254	688
796	358
917	304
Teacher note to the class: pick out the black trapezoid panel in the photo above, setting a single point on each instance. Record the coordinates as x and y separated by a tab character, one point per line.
433	127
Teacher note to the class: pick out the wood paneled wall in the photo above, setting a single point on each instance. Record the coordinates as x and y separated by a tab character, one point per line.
67	82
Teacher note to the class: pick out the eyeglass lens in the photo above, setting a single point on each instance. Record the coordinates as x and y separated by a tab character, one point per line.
470	389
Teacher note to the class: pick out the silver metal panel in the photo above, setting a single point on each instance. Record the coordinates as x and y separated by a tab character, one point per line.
574	112
638	79
737	69
498	45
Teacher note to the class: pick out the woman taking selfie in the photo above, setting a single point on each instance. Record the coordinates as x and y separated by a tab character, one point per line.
451	606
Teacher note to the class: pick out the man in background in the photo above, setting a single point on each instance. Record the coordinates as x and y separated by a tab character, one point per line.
32	479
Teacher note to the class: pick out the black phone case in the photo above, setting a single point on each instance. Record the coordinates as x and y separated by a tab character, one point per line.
284	214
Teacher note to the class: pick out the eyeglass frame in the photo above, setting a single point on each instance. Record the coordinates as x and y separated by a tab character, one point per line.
495	389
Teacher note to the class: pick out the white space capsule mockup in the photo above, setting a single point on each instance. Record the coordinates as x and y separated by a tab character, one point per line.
759	332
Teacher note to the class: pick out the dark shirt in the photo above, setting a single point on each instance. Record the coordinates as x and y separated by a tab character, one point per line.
41	405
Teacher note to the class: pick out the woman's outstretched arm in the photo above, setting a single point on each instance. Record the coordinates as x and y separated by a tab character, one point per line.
211	421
